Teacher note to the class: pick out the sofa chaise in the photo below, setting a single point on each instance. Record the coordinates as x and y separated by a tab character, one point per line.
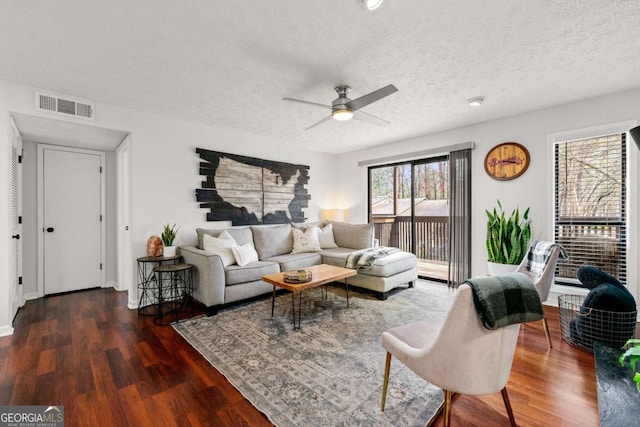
220	281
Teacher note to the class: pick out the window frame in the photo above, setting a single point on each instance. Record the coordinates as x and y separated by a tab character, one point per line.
632	206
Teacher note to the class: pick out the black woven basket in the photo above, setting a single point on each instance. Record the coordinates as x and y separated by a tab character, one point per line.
580	327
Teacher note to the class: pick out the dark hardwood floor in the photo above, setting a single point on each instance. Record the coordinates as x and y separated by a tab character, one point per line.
110	367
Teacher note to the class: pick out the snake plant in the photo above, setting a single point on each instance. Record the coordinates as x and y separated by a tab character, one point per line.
169	234
507	237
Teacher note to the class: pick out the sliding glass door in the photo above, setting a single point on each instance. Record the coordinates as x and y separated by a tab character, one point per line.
431	217
408	205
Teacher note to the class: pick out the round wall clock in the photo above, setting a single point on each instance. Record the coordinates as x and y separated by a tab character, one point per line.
506	161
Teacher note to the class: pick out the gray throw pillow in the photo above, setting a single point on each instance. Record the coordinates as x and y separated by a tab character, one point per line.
354	236
272	241
211	232
241	235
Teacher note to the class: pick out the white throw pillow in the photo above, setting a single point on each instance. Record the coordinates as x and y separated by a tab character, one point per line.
305	241
220	246
325	236
244	254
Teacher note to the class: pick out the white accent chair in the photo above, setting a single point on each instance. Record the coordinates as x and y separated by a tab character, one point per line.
543	281
458	354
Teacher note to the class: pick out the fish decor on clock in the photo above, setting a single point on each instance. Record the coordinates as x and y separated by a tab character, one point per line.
506	161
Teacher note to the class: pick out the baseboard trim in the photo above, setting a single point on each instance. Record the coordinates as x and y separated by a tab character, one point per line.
5	331
31	295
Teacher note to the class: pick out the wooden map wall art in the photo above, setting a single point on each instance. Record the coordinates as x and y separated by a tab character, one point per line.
247	190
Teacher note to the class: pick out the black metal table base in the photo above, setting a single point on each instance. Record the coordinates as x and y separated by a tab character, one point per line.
174	285
147	282
323	292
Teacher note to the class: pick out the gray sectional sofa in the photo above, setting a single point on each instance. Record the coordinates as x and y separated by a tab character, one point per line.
217	285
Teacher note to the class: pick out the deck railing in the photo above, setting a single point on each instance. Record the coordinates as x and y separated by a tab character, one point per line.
432	235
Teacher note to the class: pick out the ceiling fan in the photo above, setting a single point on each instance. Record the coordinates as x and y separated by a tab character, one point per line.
342	108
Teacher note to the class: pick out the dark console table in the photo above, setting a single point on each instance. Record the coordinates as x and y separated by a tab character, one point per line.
618	397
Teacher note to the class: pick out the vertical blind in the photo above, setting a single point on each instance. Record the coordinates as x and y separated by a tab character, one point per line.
590	218
459	217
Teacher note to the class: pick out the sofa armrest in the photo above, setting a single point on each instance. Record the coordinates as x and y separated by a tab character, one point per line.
208	275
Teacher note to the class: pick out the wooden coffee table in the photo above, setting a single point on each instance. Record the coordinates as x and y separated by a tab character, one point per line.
322	274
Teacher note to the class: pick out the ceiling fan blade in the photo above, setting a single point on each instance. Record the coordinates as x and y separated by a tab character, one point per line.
369	98
319	122
307	102
370	118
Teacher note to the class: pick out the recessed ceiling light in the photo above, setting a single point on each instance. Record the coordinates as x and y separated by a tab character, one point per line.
370	4
476	101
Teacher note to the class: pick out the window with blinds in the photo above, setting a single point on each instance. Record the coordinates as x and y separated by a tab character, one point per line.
590	218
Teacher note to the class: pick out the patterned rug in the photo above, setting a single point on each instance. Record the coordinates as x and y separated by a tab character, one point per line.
330	372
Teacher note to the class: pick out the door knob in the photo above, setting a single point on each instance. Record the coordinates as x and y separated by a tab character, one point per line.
17	236
50	230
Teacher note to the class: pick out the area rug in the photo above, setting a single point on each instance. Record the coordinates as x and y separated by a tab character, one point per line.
330	372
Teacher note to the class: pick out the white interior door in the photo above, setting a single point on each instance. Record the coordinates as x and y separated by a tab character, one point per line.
72	219
16	220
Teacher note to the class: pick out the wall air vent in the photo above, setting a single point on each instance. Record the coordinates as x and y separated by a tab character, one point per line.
64	105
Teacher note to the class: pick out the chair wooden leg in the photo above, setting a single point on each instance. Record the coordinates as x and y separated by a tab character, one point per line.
385	383
447	408
432	422
546	331
507	405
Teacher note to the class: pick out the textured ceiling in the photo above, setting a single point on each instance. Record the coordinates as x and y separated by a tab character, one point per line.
228	63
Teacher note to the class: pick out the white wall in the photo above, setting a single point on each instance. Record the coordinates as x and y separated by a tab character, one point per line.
533	189
6	313
164	168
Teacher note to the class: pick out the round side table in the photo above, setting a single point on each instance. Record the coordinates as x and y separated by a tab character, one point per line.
147	282
174	290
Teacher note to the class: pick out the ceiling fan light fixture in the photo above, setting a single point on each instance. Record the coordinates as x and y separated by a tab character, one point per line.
476	101
342	114
371	4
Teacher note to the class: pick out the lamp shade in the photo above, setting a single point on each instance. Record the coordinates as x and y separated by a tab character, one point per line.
635	134
337	215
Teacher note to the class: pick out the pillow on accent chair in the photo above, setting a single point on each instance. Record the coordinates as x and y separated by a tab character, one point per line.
244	254
220	246
305	241
325	235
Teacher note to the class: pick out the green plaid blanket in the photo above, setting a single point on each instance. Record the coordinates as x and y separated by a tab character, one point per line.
505	300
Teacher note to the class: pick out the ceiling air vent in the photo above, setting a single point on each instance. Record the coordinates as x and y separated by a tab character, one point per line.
64	105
